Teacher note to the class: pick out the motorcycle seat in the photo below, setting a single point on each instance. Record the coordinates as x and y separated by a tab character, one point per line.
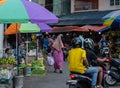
72	72
84	76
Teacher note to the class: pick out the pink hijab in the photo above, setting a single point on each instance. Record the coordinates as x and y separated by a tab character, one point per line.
58	44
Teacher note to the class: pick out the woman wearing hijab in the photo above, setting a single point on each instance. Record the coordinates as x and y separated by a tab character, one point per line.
58	54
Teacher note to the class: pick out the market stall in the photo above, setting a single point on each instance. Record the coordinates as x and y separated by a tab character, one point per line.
33	67
7	72
114	40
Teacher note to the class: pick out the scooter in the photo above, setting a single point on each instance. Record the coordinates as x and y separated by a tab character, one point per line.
78	80
114	72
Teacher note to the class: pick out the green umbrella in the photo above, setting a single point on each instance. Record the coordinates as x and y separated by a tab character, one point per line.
22	11
22	28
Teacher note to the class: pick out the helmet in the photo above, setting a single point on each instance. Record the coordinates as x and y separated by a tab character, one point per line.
76	42
89	43
82	39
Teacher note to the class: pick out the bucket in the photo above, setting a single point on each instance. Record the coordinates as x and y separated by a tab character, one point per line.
18	81
27	71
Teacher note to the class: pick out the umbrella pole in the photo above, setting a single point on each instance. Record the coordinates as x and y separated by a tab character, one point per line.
37	48
17	49
27	49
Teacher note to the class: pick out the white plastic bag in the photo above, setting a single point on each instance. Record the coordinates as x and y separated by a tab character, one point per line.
50	60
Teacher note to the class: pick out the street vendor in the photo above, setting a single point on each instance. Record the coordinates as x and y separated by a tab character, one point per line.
8	53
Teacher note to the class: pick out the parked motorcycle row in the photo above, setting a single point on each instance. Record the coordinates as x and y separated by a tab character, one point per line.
111	69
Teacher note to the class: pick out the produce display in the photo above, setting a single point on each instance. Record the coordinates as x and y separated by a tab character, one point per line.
4	73
37	63
6	70
37	67
114	39
7	61
21	68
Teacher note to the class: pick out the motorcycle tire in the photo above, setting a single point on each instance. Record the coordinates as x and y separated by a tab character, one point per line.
110	80
104	84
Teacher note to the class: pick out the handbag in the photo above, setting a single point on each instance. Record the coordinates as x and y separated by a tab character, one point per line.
50	60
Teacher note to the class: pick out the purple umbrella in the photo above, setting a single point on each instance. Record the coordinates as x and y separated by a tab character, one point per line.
21	11
44	27
38	13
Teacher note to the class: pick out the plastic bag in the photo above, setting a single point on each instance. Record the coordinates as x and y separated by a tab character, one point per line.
50	60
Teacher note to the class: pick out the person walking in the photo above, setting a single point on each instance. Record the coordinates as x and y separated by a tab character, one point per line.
58	54
77	61
46	43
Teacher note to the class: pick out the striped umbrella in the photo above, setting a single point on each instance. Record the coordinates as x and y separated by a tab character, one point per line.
112	19
27	28
21	11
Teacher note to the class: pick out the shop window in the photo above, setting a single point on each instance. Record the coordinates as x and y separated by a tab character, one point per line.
85	5
49	5
114	2
117	2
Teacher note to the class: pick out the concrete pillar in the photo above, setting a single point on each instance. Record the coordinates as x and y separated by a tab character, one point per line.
1	39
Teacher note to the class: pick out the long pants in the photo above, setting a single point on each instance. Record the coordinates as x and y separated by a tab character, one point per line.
94	72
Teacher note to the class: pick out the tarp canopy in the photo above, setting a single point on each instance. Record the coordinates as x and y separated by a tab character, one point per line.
68	29
85	28
95	28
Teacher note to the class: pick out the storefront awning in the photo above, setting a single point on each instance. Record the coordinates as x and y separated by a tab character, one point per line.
83	18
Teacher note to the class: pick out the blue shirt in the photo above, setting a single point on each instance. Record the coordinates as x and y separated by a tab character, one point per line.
103	43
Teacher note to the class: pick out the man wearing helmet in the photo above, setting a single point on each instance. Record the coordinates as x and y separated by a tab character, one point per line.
91	56
77	61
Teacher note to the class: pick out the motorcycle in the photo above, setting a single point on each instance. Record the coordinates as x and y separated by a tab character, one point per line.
78	80
114	72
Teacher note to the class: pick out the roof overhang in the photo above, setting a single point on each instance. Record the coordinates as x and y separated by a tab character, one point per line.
83	18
